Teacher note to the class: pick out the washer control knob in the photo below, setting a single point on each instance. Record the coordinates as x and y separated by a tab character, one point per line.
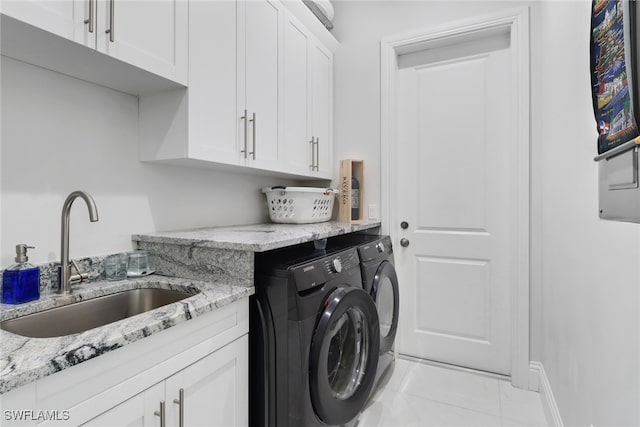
380	247
337	265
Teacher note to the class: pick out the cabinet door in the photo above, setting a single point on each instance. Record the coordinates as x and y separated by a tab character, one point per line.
137	411
57	17
262	35
321	108
216	389
296	135
151	35
212	82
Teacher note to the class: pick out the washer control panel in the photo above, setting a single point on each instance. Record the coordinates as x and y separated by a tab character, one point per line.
318	272
374	251
342	261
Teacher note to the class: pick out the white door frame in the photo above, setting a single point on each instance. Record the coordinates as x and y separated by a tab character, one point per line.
518	22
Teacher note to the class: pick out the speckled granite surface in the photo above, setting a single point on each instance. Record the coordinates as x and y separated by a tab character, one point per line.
218	262
201	263
253	238
23	360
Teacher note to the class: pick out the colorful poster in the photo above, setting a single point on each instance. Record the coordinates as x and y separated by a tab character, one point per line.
612	98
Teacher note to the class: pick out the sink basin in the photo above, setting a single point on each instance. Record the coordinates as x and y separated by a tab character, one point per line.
85	315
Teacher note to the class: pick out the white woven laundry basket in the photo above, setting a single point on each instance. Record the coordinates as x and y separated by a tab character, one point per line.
300	205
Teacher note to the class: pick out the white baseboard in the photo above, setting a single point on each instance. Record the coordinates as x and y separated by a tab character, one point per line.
539	382
534	376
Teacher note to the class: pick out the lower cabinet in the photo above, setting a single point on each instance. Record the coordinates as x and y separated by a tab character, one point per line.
211	392
197	370
136	411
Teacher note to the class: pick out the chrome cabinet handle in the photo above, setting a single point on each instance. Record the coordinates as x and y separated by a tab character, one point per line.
404	242
90	19
109	30
161	414
317	153
313	153
180	401
246	130
253	120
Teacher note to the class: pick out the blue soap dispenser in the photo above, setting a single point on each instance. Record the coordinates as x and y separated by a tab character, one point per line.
21	281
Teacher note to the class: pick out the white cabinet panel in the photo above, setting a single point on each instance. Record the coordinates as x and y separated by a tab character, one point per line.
308	69
213	124
296	137
262	28
322	108
137	411
57	17
215	389
151	35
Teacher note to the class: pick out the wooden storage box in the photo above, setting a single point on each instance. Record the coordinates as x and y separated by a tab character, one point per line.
349	168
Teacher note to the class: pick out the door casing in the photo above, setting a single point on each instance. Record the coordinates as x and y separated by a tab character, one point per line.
517	21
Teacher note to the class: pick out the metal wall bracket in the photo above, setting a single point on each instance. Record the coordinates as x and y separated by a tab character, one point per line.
619	183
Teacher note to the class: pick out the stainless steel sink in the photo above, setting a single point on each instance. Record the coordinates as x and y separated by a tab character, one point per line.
85	315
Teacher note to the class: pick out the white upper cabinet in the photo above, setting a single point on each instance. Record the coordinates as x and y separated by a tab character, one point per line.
62	18
151	36
308	94
322	109
211	131
296	137
252	96
259	80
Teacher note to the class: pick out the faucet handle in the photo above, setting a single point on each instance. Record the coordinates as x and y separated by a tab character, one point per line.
77	278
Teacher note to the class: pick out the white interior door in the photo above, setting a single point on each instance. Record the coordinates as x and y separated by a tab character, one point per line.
454	184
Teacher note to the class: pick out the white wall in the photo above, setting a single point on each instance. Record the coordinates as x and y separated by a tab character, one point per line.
585	273
60	134
590	268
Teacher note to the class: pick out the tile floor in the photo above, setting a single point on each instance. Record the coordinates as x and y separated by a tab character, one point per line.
419	394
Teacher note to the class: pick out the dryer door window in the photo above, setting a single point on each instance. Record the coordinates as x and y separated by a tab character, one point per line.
344	355
385	294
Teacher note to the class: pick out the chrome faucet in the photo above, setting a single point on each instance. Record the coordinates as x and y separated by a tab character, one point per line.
64	274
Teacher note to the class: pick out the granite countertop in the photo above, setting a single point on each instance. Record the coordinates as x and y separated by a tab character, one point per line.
219	261
254	238
24	360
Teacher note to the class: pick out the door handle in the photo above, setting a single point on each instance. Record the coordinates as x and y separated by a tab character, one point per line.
109	30
253	120
90	19
180	402
246	130
313	154
404	225
404	242
317	153
161	414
